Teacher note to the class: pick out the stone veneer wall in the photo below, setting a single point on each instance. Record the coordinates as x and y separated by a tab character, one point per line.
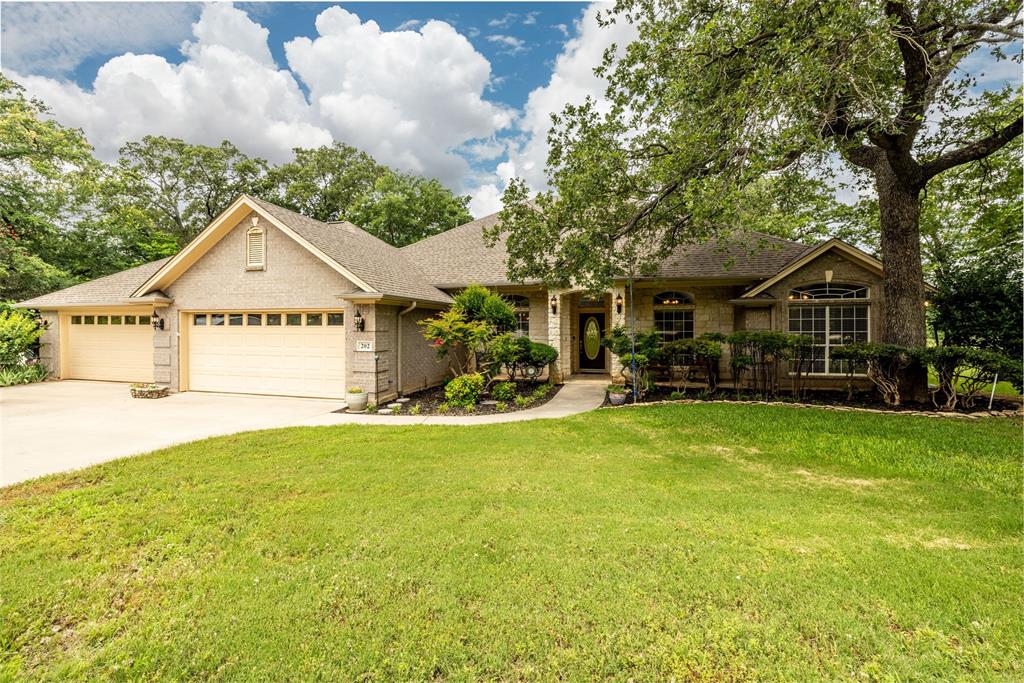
49	343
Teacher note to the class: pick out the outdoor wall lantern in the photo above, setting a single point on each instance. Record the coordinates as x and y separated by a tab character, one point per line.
618	303
360	322
554	304
158	322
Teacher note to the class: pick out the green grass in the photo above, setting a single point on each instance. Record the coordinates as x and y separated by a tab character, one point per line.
1002	388
701	542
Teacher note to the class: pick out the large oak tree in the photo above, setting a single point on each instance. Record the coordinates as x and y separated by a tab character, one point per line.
717	100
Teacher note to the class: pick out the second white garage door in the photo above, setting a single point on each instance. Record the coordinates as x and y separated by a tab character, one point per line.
285	354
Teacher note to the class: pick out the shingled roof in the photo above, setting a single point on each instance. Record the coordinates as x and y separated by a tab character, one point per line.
460	256
111	289
380	265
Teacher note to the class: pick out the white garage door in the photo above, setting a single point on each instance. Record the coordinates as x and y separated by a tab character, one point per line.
286	354
110	346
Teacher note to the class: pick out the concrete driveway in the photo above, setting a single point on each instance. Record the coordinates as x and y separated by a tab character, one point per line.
59	426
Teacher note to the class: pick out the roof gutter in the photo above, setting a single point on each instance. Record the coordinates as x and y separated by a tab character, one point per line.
398	363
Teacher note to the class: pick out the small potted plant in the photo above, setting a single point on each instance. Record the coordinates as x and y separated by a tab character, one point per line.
356	399
617	394
149	391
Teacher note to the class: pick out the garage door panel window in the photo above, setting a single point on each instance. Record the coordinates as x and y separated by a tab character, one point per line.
254	319
335	319
76	320
314	319
129	320
89	320
144	319
235	319
273	319
199	319
293	319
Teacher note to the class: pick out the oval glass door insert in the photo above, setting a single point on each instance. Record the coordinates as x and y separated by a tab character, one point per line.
592	338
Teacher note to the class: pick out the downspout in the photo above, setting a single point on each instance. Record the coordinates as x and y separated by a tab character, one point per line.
398	369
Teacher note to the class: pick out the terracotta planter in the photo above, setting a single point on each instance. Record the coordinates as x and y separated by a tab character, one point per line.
357	402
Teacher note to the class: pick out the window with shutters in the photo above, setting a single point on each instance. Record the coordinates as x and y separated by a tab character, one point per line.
255	249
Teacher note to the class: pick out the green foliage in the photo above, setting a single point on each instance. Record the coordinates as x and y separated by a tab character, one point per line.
402	209
981	304
23	374
501	406
676	395
479	303
509	351
704	352
542	390
416	409
443	408
372	408
19	332
464	391
617	389
619	340
523	401
504	391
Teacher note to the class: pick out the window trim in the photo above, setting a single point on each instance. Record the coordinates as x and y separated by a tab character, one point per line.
251	264
521	307
795	295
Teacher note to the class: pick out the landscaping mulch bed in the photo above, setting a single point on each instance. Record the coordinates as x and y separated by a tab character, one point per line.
430	400
831	400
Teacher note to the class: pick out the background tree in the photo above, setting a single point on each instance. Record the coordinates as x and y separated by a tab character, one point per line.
338	182
181	186
42	165
714	96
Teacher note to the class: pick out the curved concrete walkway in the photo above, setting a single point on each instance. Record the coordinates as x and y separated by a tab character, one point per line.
575	396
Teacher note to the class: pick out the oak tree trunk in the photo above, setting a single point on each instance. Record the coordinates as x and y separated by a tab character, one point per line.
899	201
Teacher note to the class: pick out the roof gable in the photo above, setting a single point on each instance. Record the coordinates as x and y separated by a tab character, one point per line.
847	250
372	265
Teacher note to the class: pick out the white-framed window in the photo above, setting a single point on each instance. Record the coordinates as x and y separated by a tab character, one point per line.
255	249
833	320
521	305
673	315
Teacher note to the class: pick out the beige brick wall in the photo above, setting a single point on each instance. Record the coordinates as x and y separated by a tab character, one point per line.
293	279
421	367
374	371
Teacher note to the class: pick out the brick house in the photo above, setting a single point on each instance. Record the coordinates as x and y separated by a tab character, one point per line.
268	301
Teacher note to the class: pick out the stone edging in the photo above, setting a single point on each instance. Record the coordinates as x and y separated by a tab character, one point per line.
845	409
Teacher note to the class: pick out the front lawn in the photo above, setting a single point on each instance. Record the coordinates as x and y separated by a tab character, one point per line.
700	542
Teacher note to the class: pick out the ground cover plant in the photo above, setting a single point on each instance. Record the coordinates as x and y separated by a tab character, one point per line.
700	542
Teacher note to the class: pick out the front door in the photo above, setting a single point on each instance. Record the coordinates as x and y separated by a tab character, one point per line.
591	333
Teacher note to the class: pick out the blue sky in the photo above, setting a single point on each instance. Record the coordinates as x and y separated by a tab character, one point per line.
458	91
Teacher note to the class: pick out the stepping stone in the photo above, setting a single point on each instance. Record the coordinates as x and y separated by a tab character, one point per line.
402	400
395	406
488	403
385	411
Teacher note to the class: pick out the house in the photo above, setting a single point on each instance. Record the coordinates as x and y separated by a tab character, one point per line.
268	301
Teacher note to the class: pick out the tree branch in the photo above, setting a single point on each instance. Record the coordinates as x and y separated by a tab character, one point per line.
979	149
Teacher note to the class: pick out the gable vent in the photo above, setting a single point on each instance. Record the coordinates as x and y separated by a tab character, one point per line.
255	248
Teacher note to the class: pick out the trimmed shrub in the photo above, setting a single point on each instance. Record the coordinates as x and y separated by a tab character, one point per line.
883	363
504	391
964	372
464	391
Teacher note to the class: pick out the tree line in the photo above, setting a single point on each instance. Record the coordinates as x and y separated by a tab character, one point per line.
67	217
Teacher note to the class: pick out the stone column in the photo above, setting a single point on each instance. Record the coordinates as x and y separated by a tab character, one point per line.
618	318
49	343
558	334
370	355
164	348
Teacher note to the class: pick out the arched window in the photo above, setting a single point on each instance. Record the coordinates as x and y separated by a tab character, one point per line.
521	304
673	315
816	311
255	249
828	290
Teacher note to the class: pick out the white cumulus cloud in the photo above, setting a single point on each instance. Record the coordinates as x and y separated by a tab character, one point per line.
409	98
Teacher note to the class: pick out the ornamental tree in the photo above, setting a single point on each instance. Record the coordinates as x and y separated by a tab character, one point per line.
716	99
